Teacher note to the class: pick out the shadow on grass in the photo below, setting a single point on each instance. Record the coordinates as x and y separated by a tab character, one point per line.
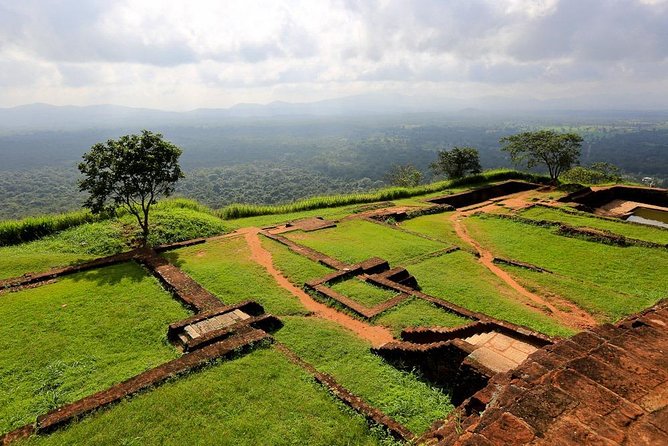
112	274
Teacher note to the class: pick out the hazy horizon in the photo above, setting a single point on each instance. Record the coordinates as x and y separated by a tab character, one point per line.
179	56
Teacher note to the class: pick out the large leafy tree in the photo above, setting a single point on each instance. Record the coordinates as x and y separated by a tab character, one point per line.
132	172
457	162
404	176
557	151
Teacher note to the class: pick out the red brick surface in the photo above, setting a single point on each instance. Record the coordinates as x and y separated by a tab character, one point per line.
607	386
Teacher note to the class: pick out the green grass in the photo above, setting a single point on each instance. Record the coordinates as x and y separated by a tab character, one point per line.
418	313
392	193
637	272
357	240
63	341
32	228
575	218
458	278
67	247
262	221
437	226
224	267
365	293
605	304
298	269
333	350
174	224
260	398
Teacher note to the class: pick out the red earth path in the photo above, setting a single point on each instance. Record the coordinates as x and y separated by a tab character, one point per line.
573	316
375	334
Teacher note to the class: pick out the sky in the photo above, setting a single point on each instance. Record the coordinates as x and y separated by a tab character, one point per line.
181	55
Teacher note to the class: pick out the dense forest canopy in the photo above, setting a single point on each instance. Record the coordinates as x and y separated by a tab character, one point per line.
279	159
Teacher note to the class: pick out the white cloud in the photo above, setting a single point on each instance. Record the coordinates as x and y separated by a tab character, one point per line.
181	54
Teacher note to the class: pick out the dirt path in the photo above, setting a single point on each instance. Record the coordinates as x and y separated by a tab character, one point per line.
374	334
573	317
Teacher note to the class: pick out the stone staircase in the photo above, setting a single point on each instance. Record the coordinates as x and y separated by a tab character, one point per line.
221	323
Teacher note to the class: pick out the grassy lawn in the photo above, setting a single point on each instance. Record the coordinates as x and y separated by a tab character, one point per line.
90	240
458	278
335	351
365	293
298	269
260	398
415	313
261	221
75	245
437	226
224	267
628	229
606	304
82	334
357	240
639	273
174	224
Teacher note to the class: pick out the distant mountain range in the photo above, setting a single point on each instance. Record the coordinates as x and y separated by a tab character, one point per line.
45	116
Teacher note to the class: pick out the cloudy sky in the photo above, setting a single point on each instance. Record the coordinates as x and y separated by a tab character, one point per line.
181	55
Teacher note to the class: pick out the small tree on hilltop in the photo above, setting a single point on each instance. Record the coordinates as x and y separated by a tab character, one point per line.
458	162
597	173
404	176
557	151
132	172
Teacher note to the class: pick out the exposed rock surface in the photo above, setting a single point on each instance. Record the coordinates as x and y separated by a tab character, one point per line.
606	386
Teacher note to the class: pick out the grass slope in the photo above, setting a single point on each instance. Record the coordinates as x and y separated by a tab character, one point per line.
458	278
634	276
365	293
260	398
298	269
347	358
71	246
437	226
225	268
63	341
627	229
415	313
357	240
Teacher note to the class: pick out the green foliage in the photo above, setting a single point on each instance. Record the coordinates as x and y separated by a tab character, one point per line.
248	210
596	173
67	247
174	224
405	175
457	162
13	232
63	341
257	399
557	151
133	172
224	267
334	350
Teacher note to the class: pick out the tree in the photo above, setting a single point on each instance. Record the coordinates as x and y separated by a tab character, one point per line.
596	173
557	151
132	172
458	162
404	176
